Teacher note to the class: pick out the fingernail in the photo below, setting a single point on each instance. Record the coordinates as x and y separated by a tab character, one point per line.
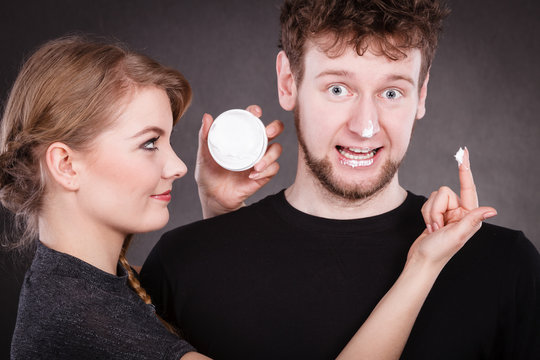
254	175
489	214
429	229
259	166
435	226
466	161
254	109
270	131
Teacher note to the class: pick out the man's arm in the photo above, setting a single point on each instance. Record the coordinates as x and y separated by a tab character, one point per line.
523	327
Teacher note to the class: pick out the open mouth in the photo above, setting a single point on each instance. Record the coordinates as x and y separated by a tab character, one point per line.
355	153
356	157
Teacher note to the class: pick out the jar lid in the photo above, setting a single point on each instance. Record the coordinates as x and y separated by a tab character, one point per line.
237	140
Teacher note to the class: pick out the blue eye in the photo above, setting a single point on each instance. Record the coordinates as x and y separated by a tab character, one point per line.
150	145
338	90
392	94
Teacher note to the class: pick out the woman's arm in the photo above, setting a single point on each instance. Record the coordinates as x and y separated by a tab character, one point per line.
450	222
384	334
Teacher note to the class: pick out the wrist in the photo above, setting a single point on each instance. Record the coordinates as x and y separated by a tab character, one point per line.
211	207
417	264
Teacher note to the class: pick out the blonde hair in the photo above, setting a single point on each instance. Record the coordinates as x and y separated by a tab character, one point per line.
69	91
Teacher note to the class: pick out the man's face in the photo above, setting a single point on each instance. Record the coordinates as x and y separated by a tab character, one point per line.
354	116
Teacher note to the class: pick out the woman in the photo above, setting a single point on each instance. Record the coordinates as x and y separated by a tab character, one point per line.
86	162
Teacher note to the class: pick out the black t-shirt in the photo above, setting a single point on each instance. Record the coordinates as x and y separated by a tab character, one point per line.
69	309
271	282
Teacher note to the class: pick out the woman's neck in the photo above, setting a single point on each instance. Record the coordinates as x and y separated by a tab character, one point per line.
90	242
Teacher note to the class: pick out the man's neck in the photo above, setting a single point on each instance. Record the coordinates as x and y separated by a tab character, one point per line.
308	195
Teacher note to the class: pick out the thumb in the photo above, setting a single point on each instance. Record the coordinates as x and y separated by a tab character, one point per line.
472	222
203	133
207	121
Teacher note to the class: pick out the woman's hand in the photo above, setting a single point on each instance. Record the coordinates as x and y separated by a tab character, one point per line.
221	190
450	220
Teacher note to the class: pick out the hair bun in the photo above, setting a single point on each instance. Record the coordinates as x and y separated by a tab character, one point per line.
17	176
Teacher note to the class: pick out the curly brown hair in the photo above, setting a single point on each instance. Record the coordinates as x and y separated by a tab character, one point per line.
389	27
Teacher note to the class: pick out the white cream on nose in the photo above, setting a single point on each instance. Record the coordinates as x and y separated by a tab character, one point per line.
371	130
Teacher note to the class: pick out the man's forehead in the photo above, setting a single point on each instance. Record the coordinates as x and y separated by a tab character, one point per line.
318	58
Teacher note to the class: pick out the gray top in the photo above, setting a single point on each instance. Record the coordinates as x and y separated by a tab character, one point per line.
69	309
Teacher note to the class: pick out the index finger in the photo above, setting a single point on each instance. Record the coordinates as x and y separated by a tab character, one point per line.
255	110
274	129
469	197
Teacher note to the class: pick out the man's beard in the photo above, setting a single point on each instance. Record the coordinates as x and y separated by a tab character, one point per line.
322	169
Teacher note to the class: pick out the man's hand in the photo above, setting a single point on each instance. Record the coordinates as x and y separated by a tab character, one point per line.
221	190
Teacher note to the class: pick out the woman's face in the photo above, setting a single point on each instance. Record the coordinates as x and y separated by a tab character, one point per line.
126	178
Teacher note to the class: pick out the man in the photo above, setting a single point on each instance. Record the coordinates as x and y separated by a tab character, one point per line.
296	274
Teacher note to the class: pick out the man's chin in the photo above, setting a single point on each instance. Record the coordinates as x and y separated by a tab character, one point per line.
345	188
353	192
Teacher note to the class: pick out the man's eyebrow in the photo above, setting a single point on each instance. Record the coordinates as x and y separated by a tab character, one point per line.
396	77
149	129
341	73
348	74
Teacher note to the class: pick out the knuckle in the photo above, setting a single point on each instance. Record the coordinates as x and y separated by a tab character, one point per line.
445	189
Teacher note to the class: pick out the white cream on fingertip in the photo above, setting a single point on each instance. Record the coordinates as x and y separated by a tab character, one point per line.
459	156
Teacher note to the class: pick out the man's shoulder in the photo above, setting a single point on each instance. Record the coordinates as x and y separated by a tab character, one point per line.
504	238
503	248
492	242
217	228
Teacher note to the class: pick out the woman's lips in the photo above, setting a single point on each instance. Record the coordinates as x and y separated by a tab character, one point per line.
166	196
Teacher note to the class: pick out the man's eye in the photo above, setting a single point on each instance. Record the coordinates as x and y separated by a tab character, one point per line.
392	94
150	144
338	90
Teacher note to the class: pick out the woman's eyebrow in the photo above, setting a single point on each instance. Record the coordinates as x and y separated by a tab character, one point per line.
148	129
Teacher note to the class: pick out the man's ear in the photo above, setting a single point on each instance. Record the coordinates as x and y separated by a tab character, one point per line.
59	159
285	82
421	109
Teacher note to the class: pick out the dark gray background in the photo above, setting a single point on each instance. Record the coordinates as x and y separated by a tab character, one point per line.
483	93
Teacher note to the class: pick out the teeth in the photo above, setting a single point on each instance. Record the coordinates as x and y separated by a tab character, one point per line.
356	163
364	151
360	154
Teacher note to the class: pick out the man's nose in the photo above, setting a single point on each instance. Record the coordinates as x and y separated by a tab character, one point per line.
364	119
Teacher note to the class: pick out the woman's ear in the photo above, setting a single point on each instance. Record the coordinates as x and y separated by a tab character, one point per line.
285	82
59	159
